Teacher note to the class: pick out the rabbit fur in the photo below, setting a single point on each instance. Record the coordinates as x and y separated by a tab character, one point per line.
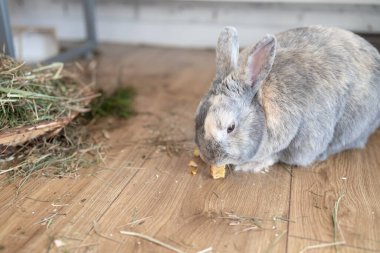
296	97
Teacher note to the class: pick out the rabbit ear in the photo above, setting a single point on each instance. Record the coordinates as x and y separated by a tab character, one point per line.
259	62
227	52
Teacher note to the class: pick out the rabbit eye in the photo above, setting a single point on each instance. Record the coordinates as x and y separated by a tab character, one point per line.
231	128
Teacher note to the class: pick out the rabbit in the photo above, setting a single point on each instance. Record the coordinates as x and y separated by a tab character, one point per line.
296	97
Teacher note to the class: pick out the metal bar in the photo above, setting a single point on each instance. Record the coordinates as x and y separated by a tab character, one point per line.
90	43
89	15
72	53
6	39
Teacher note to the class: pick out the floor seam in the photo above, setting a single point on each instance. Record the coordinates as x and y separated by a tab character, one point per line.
289	206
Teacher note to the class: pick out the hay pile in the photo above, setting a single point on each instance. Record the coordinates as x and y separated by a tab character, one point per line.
60	155
31	99
30	96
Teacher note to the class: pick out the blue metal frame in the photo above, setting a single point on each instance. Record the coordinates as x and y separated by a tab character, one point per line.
6	38
87	47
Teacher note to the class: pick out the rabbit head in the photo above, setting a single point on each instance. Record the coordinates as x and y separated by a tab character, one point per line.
230	120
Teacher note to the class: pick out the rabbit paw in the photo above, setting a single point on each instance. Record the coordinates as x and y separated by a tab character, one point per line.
256	166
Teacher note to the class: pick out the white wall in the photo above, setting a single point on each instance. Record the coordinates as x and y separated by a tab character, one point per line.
192	23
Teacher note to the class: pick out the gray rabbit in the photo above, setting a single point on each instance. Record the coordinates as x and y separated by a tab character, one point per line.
296	97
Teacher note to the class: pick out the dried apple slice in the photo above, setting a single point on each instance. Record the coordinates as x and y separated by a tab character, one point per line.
218	172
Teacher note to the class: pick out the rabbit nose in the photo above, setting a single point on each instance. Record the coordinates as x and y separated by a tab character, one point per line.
206	158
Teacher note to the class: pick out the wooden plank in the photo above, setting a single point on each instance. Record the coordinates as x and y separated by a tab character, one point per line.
353	173
87	196
187	211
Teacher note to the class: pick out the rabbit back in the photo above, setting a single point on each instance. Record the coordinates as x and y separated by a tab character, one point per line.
322	95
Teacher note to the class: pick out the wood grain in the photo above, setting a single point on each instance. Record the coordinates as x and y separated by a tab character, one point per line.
187	210
355	174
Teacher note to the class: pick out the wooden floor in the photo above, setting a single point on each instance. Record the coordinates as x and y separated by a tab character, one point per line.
145	185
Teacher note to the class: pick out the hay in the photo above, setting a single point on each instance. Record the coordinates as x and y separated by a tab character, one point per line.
151	239
31	96
94	224
336	228
336	222
60	155
138	222
209	249
35	106
238	220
